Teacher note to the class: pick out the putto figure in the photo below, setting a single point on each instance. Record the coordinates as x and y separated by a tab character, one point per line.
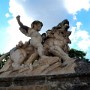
52	47
33	32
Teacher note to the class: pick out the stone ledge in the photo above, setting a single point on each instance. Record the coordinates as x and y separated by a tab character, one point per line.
74	80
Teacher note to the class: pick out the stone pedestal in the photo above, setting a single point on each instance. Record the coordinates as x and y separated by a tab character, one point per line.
47	82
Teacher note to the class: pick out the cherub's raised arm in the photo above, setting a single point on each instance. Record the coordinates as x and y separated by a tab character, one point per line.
23	28
18	20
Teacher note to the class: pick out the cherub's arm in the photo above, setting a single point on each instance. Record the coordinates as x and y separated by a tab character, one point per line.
23	28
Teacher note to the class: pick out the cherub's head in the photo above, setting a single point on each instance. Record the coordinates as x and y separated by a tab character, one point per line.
37	25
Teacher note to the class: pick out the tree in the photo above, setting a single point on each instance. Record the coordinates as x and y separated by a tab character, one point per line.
3	61
73	53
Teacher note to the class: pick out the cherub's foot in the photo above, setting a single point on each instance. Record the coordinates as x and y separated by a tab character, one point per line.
68	62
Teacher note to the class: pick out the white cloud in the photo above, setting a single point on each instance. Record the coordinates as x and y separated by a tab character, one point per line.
72	36
80	38
13	33
73	6
78	25
25	10
17	9
84	44
83	34
74	17
50	16
7	15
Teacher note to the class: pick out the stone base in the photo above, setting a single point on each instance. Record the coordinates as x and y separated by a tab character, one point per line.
47	82
36	87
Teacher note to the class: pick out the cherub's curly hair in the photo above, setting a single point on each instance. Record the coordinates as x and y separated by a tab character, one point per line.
36	22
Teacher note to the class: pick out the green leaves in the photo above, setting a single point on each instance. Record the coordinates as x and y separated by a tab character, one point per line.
73	53
3	61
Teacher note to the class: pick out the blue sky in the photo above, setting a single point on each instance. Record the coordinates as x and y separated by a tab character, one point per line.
50	12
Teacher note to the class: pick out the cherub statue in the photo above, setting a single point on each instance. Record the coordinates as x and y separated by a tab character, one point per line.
33	32
53	43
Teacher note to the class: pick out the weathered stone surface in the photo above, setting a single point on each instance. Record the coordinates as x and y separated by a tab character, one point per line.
51	68
44	64
82	66
47	49
63	70
36	87
47	82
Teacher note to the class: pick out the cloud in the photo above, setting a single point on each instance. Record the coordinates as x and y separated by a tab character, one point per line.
74	17
29	11
73	6
78	25
80	38
7	15
50	12
17	9
84	44
12	31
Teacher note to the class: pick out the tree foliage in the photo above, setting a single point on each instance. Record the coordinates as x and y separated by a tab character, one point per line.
3	61
73	53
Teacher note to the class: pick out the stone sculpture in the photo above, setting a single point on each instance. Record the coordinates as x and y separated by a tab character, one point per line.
49	56
33	32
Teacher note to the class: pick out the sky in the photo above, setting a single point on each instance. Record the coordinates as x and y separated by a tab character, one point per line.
50	12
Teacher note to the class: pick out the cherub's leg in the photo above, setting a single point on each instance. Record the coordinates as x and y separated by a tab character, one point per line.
32	58
40	51
38	45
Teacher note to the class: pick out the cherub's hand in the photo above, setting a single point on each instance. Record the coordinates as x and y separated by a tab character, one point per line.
18	17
